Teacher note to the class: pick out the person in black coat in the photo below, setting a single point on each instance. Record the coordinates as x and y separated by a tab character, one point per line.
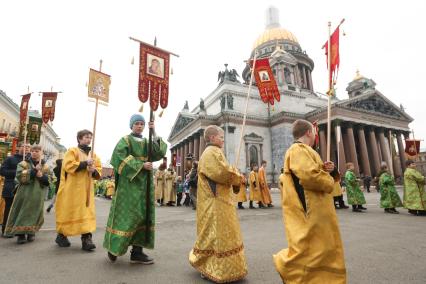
57	172
8	171
193	184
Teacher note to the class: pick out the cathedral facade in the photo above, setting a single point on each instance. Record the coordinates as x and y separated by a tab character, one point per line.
366	128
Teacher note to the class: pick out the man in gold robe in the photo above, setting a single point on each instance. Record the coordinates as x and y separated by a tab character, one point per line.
241	196
160	184
75	203
263	183
315	252
254	193
218	253
169	192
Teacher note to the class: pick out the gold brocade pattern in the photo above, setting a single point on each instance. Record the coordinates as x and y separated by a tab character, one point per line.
128	234
124	162
218	252
315	252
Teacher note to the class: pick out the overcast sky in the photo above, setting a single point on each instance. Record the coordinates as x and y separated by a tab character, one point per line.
54	43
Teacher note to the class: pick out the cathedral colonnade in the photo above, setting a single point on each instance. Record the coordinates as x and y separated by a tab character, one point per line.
365	146
193	144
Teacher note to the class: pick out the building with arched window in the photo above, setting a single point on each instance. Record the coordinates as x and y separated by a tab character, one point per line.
367	128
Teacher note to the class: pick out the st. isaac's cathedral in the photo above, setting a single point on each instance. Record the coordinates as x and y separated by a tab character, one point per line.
361	125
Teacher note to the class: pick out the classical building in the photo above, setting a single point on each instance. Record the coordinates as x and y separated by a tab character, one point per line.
9	124
362	124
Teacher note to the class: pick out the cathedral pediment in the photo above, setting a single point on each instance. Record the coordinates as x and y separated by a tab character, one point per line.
375	103
281	56
181	122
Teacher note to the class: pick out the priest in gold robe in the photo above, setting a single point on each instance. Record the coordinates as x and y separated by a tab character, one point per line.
218	253
315	252
75	203
255	193
263	185
241	195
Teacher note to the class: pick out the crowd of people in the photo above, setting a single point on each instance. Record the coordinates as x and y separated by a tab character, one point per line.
311	190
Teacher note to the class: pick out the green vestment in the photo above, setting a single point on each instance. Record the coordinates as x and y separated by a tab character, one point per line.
355	195
127	222
414	190
389	198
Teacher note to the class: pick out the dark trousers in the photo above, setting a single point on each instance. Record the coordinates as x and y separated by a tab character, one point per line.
179	198
8	204
187	200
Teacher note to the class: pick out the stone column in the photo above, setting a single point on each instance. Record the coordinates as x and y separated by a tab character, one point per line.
364	152
311	87
197	146
384	149
191	145
401	151
247	156
352	148
341	154
261	153
304	77
323	143
185	153
374	150
202	144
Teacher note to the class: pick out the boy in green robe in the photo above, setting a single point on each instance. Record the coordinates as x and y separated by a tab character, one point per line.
355	195
389	198
26	215
414	190
129	221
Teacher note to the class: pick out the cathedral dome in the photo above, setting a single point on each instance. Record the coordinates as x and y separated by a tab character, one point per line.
275	34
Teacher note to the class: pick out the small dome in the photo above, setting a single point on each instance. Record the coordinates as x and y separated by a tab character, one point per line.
274	34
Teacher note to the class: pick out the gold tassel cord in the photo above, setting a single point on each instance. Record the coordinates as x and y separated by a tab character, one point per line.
141	108
133	60
161	113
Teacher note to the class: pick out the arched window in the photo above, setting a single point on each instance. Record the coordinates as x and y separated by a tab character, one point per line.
287	75
254	157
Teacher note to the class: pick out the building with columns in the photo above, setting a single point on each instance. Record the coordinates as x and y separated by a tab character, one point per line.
362	124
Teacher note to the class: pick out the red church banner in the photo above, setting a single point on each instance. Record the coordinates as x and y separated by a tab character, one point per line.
48	106
412	148
153	76
265	81
24	108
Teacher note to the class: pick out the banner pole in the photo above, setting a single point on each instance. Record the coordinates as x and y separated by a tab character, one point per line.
245	111
330	86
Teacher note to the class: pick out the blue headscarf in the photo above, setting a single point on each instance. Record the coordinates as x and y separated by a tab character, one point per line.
136	117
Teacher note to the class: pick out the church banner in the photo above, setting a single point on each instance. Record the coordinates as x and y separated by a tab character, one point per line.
24	108
99	85
412	148
265	81
48	106
153	76
33	130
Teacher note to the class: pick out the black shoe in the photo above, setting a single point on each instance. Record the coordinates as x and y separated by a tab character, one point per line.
361	207
21	239
344	206
270	205
112	257
62	241
357	210
3	235
48	209
86	242
137	256
414	212
252	207
241	207
30	238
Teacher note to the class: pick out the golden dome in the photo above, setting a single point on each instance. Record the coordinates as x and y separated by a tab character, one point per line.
274	34
358	75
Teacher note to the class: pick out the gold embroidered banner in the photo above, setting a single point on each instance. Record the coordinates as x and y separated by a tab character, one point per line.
99	85
48	106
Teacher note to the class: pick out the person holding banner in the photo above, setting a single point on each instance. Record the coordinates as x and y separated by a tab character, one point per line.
218	252
414	190
131	220
315	250
75	203
26	215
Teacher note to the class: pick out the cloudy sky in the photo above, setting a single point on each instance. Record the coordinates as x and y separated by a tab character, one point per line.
54	43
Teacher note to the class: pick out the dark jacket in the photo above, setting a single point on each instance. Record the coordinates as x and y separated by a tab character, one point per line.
193	178
57	172
8	170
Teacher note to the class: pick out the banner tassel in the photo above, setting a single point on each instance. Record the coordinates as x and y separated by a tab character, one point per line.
161	113
141	108
133	60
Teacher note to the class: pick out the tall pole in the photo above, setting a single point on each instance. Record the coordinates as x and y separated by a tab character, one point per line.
89	187
25	126
391	153
245	111
330	86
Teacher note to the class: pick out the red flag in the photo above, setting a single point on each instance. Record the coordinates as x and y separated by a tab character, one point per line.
24	108
154	76
48	106
412	148
335	57
265	81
